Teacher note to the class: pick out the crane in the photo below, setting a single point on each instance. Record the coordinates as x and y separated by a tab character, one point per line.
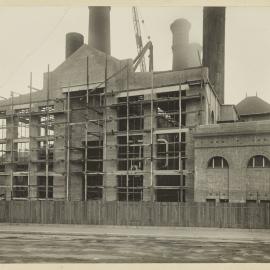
140	57
138	37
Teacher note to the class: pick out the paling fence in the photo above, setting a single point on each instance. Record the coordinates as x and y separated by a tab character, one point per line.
223	215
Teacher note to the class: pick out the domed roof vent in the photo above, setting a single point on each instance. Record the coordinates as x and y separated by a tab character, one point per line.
252	105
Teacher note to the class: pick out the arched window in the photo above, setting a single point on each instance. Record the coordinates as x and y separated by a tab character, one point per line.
259	161
217	163
212	118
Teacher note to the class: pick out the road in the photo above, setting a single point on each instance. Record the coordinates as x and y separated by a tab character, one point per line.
113	244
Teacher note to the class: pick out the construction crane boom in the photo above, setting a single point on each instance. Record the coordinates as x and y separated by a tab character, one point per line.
140	57
138	36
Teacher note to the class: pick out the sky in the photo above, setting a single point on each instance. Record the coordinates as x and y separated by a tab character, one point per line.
33	37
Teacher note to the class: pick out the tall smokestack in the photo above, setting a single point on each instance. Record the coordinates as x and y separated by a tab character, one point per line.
195	51
99	35
180	47
73	42
214	46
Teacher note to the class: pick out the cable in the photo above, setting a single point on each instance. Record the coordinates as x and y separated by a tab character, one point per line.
12	73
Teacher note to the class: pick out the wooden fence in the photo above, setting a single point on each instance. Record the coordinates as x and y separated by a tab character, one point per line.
137	213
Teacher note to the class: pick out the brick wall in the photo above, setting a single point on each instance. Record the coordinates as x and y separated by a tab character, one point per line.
237	148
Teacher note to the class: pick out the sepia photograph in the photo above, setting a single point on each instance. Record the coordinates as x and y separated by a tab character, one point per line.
134	134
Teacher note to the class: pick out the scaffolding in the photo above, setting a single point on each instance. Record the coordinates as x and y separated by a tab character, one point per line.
30	153
101	144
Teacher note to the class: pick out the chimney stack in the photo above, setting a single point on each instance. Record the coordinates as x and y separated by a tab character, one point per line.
195	51
180	46
99	35
73	42
214	46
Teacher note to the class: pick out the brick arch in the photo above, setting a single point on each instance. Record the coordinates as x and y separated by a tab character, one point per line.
253	153
217	153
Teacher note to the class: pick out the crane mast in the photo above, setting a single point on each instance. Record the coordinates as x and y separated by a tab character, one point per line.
138	36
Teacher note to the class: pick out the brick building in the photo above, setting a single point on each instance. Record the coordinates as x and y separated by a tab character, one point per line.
99	130
232	162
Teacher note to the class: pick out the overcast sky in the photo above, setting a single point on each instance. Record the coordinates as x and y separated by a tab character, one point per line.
32	38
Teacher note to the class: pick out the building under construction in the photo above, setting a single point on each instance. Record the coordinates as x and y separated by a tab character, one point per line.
100	130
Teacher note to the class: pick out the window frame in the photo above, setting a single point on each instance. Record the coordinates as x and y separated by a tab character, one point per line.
130	188
135	117
22	147
23	128
131	151
3	151
94	187
20	188
3	128
170	188
42	187
265	162
211	163
46	121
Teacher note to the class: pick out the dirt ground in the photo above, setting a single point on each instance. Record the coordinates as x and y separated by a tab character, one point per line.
113	244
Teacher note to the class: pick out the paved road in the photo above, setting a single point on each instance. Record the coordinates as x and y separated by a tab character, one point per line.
88	244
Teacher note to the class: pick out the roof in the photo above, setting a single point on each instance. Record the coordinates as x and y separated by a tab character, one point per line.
252	105
228	113
71	71
82	52
71	74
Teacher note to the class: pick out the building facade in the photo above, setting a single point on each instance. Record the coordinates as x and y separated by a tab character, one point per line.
232	162
99	130
130	138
